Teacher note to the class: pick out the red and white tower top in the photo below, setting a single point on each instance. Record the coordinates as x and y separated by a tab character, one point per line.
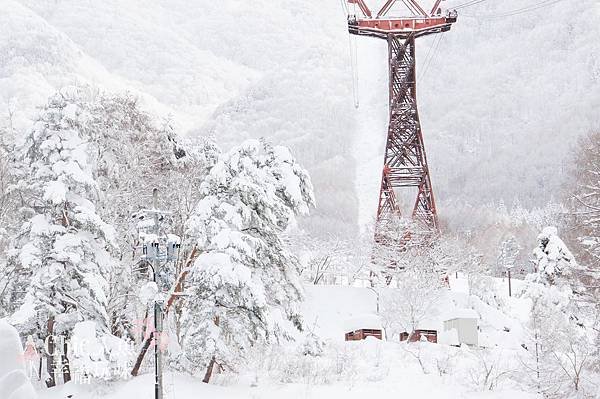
419	23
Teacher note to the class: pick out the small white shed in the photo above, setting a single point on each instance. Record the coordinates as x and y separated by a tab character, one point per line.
465	325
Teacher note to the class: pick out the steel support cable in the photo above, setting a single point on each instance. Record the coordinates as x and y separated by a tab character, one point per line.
518	11
422	68
426	67
354	69
344	7
524	10
468	4
353	56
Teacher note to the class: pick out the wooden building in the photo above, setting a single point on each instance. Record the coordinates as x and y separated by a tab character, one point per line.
418	335
363	333
361	326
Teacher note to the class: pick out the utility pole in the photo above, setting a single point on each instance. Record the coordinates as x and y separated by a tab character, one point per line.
158	363
161	253
508	269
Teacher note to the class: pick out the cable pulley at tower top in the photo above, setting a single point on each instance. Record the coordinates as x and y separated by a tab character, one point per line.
418	23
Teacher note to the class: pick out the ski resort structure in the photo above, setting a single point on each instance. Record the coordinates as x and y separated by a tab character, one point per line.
405	162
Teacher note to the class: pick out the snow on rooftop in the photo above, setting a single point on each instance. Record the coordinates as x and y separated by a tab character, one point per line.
463	314
364	321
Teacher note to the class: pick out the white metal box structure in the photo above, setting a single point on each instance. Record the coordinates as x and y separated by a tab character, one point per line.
466	329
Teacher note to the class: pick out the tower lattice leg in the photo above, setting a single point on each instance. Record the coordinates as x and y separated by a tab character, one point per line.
405	162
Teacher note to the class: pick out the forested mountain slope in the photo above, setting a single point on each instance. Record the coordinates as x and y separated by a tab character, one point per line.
504	94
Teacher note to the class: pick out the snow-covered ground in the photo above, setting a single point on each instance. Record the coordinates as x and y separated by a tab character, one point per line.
373	368
14	383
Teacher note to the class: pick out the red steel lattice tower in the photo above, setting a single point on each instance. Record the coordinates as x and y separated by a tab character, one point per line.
405	161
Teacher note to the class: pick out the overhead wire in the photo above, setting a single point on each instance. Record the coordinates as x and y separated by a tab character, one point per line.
518	11
468	4
354	69
427	55
353	47
523	10
428	63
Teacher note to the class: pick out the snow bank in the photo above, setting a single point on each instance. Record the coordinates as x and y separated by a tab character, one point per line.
327	309
14	384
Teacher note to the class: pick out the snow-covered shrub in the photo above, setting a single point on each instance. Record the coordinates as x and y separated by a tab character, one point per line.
93	356
312	345
560	342
489	370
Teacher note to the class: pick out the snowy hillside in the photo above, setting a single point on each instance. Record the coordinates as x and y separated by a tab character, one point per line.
282	73
502	96
502	101
189	188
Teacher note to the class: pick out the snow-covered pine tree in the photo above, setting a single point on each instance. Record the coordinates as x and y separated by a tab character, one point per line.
553	258
507	255
134	153
243	290
64	244
129	154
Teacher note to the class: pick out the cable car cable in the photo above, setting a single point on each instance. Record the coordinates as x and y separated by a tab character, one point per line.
518	11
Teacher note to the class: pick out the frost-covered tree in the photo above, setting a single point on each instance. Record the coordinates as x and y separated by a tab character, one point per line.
128	154
412	301
560	342
64	246
583	199
553	258
243	290
11	285
132	153
507	254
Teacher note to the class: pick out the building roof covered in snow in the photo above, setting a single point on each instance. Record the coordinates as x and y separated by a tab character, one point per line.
363	321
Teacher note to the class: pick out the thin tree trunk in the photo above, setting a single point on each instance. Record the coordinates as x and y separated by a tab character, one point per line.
138	362
209	370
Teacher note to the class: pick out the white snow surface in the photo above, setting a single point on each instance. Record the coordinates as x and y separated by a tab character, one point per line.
14	383
369	368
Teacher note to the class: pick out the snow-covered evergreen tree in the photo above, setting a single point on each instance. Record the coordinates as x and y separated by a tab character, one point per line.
243	289
64	245
507	255
553	258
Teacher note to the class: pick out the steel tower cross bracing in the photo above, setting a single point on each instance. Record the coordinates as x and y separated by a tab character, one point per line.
405	162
